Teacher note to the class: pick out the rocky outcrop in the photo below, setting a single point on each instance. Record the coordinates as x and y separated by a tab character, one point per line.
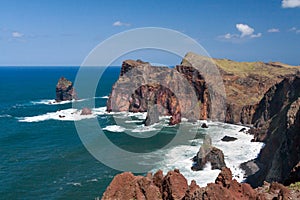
152	115
65	90
174	186
127	186
212	155
193	90
208	153
277	123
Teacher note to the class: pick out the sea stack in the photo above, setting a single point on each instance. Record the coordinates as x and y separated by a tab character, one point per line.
65	90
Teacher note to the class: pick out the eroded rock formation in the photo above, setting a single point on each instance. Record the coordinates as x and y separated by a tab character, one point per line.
208	153
193	90
141	85
65	90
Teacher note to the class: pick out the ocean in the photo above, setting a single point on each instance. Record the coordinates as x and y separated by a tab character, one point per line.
42	155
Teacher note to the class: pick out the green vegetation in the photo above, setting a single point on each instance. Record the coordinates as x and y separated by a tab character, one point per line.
294	186
243	69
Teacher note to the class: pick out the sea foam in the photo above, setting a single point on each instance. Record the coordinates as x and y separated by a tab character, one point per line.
114	128
235	153
53	102
63	115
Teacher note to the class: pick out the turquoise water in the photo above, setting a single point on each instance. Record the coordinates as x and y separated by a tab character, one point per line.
42	155
44	159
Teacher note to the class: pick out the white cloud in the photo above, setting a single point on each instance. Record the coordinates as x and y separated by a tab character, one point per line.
119	23
244	29
246	32
256	35
290	3
17	34
294	29
273	30
228	36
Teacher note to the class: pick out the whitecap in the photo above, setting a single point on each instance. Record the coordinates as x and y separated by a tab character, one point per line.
103	97
5	116
235	153
143	128
133	121
53	102
63	115
92	180
74	184
114	128
100	111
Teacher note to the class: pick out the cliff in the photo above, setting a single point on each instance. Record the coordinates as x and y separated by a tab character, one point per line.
277	123
191	89
141	86
174	186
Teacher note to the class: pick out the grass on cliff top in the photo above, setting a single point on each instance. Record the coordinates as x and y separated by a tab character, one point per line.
294	186
259	68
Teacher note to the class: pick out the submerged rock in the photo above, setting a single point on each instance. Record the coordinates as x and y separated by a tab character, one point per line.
204	125
228	138
65	90
242	130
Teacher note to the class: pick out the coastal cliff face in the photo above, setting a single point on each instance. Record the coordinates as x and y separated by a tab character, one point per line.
174	186
142	86
246	83
277	123
65	90
185	90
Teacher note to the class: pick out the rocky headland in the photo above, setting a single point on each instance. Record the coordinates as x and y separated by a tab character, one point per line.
265	96
186	91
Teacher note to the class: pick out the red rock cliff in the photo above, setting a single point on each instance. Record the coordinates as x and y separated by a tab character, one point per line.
186	91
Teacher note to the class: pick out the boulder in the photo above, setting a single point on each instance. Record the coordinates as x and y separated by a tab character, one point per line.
65	90
174	185
126	186
86	111
242	130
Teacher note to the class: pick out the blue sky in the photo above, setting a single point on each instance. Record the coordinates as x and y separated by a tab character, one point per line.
50	32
